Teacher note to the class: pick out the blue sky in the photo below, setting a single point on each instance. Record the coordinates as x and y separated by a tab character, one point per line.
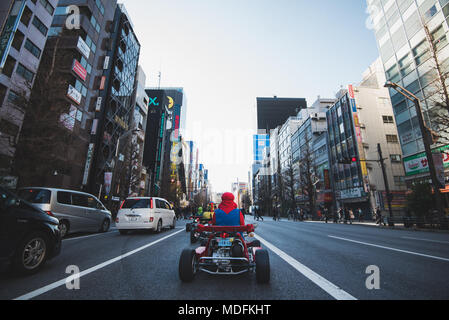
225	53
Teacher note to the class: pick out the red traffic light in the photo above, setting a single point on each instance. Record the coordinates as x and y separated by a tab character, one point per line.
353	159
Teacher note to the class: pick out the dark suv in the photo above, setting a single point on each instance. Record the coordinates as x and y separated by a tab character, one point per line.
28	236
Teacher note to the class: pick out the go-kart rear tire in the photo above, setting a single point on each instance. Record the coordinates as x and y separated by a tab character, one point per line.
187	265
193	238
262	266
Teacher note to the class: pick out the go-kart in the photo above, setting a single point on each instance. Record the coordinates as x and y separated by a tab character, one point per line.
192	227
226	253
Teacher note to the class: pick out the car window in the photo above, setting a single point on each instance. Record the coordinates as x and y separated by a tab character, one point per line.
137	204
80	200
167	205
160	204
92	203
64	197
36	196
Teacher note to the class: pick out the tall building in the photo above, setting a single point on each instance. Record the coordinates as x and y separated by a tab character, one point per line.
410	34
113	131
163	148
24	31
361	119
74	59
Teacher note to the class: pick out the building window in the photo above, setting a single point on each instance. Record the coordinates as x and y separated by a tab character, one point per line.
40	26
399	180
396	158
9	128
8	69
100	6
2	93
18	40
388	119
50	9
13	97
392	138
25	73
31	47
26	16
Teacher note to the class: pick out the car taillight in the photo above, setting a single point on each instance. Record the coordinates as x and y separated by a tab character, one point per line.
49	213
151	219
151	203
123	202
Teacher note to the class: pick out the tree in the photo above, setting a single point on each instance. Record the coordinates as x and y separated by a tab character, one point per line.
290	184
421	200
307	171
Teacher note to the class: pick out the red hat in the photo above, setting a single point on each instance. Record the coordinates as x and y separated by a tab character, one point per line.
227	204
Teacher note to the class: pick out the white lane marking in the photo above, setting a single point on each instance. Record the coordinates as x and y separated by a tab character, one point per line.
90	236
62	282
427	240
324	284
392	249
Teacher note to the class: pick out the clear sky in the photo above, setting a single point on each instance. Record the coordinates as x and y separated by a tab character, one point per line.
225	53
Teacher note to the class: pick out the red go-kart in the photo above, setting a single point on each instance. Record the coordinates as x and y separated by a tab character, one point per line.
226	253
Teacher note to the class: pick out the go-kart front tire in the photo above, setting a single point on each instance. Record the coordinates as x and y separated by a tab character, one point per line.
187	265
262	266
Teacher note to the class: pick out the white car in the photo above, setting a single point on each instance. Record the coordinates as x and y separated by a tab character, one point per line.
143	213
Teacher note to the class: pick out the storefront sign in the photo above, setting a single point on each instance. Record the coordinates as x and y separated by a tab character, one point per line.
94	127
74	94
351	193
102	83
79	70
98	106
106	63
90	152
419	164
83	47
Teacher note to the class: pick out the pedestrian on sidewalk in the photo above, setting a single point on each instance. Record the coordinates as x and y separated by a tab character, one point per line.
351	216
360	214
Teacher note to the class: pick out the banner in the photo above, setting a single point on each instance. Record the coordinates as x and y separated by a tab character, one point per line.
419	164
79	70
107	182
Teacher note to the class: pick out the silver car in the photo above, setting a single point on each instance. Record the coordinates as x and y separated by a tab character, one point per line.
76	211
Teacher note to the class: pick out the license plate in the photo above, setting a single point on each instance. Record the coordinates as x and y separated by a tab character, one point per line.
134	219
224	243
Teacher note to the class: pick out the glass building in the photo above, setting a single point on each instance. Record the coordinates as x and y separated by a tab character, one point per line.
406	33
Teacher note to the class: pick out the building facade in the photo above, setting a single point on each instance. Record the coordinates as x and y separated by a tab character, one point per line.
24	32
361	119
412	38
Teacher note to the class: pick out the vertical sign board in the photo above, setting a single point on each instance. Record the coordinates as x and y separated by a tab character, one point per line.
358	133
9	30
90	152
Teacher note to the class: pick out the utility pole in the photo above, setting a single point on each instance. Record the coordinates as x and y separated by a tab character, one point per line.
387	186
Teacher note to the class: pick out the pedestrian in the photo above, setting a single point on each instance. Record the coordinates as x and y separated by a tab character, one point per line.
379	217
326	215
351	216
360	213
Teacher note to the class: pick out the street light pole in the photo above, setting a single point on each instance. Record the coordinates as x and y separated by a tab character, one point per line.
427	138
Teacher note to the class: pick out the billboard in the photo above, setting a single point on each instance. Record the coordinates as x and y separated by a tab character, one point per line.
418	164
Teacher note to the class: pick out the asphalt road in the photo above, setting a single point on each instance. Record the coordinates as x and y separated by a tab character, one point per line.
309	261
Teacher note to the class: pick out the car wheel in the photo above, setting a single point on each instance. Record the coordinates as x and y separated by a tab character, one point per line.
187	265
159	226
105	226
262	266
32	253
174	224
64	228
123	232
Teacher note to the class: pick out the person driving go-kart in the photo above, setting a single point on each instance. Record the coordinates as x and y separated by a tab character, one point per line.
227	213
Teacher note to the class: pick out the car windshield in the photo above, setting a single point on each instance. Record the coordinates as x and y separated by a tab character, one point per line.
137	204
36	196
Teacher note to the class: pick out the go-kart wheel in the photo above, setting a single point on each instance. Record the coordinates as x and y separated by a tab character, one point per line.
193	238
187	265
262	266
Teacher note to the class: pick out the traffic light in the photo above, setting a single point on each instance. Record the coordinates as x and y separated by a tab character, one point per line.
348	160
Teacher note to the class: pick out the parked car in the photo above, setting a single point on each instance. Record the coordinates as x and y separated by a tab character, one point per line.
28	236
145	214
76	211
